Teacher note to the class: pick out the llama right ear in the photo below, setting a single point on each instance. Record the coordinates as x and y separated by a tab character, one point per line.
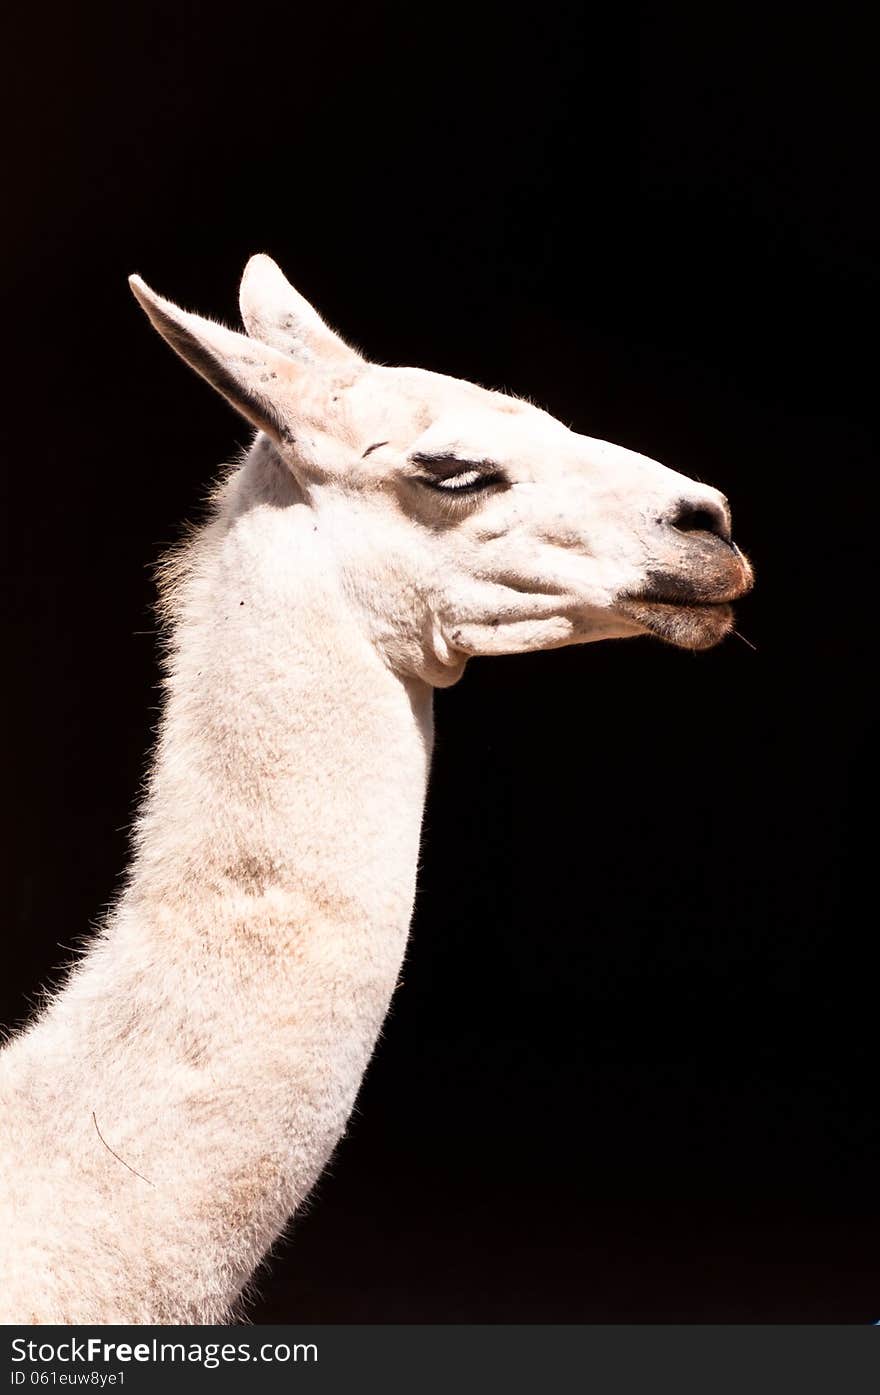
259	382
276	314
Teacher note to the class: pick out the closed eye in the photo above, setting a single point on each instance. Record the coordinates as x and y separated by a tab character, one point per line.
447	474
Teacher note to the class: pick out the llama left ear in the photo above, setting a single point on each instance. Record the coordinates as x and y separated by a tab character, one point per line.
276	314
263	385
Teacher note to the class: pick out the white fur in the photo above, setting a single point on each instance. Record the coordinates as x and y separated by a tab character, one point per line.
168	1111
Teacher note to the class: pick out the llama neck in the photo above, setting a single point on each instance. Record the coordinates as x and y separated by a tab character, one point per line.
292	760
218	1031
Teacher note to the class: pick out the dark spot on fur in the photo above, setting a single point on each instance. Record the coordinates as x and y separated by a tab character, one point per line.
192	1050
370	449
251	874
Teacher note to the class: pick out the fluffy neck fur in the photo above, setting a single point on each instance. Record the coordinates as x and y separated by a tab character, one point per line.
217	1031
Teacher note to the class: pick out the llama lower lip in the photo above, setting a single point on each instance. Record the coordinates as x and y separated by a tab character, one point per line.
686	624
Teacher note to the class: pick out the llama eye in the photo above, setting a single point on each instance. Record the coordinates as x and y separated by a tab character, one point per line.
448	475
469	482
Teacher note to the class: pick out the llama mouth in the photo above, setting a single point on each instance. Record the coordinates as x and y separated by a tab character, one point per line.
686	624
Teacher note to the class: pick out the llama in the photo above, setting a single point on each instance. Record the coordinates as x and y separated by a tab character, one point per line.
170	1108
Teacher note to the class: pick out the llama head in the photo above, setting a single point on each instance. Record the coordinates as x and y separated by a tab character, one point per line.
464	521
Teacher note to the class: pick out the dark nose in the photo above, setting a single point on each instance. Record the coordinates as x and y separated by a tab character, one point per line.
705	516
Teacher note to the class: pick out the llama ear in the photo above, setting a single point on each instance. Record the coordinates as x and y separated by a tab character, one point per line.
276	314
251	376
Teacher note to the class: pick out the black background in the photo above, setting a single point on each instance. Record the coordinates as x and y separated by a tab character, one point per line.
628	1075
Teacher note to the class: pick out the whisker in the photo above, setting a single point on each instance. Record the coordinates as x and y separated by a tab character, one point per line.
116	1155
744	640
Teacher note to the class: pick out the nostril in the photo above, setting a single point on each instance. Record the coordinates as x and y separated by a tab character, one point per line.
705	517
